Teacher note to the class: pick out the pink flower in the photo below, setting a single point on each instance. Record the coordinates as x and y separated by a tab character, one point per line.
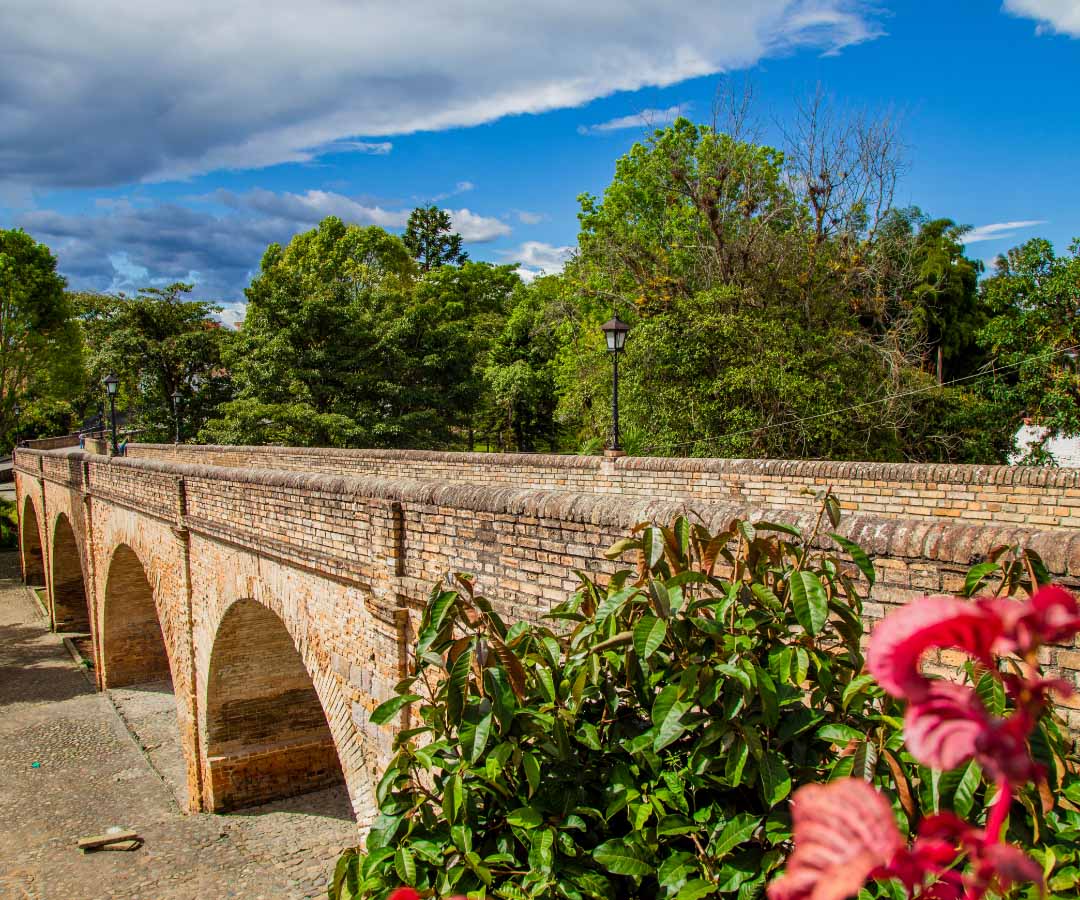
1050	615
900	640
844	831
942	729
845	834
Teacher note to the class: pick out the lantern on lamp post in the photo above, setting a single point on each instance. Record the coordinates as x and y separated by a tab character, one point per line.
17	409
112	384
615	331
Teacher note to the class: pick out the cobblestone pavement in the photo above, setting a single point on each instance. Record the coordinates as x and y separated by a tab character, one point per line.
69	767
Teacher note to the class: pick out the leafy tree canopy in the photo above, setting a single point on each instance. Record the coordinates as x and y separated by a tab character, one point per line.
159	344
40	345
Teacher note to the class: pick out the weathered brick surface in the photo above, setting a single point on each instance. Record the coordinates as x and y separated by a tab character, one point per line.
287	582
1001	494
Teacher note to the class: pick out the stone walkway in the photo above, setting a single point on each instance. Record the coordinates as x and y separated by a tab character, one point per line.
69	767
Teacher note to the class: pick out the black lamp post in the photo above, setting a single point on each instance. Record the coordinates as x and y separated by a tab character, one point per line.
17	409
112	384
615	333
176	412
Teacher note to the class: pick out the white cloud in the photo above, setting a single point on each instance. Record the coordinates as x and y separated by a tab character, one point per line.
646	119
124	246
90	99
529	218
536	258
462	187
476	229
998	230
1060	16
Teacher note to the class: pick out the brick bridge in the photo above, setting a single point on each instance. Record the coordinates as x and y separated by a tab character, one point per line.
278	588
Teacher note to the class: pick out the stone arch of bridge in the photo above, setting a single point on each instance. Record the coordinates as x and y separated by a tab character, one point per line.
133	645
266	729
70	601
30	541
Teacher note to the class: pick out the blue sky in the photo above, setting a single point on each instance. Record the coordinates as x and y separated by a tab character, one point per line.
150	142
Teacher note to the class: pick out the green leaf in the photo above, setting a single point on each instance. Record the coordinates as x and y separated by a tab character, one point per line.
770	712
620	857
832	510
525	817
856	686
778	526
405	866
435	616
766	597
775	778
652	545
839	734
964	797
384	712
976	575
452	798
735	763
735	832
532	771
458	686
809	600
474	737
649	634
858	556
693	890
864	762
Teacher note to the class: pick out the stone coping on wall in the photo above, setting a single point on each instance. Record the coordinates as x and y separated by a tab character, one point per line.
906	473
948	542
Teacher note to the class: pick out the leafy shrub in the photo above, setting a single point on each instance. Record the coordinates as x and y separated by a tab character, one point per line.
647	746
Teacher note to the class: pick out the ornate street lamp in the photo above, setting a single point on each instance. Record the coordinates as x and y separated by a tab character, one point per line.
112	384
176	412
17	409
615	331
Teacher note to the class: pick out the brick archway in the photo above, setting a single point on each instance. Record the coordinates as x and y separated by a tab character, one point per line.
133	649
30	541
71	608
267	735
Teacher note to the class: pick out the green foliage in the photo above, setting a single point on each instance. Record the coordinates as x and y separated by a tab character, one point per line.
645	747
41	350
430	240
9	525
158	343
1033	297
520	373
345	344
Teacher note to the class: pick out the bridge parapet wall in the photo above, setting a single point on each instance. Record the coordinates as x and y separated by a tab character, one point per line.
1009	495
152	492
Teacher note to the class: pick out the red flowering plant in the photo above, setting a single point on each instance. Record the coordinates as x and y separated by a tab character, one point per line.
845	832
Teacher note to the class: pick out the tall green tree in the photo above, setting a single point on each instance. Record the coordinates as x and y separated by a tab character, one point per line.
159	344
40	345
345	344
471	300
431	240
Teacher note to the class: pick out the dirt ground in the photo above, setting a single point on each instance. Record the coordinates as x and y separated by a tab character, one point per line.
74	763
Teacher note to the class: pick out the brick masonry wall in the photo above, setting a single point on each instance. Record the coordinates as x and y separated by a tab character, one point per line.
344	562
1014	495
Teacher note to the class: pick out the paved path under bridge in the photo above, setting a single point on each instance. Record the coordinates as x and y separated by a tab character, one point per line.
93	772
